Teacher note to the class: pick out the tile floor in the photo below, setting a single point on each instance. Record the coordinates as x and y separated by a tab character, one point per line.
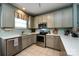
35	50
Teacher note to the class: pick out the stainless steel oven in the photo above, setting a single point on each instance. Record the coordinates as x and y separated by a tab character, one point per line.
41	39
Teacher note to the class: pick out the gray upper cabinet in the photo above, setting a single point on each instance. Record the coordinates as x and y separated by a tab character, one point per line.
63	18
30	22
78	16
7	16
58	18
36	22
44	18
40	19
67	17
50	20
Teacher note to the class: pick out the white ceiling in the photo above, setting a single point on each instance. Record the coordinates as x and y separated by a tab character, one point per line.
34	9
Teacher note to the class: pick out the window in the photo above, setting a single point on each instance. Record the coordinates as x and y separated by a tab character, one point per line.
19	23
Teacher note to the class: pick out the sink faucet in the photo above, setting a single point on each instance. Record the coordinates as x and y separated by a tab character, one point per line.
22	32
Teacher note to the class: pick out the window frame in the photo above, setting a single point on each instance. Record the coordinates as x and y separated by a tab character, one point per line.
21	27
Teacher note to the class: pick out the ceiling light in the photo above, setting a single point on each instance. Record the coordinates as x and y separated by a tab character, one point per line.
23	8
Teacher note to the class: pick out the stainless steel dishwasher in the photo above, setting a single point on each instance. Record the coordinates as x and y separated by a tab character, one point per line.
9	47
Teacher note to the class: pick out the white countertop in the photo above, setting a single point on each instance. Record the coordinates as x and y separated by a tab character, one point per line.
71	45
53	34
9	36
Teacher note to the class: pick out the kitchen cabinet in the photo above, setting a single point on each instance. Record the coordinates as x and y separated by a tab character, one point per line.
30	22
53	42
58	18
36	22
40	19
26	41
63	18
34	38
44	18
21	15
57	42
50	20
67	17
78	16
7	16
0	14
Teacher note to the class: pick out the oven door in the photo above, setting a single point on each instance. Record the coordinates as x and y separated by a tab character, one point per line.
40	40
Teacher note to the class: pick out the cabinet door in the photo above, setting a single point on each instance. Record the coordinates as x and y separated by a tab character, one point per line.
29	40
53	42
7	16
24	42
58	18
44	18
36	22
30	22
57	43
50	41
50	21
40	19
67	17
34	38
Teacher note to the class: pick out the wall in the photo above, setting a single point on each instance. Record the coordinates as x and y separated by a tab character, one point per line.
60	30
78	15
12	32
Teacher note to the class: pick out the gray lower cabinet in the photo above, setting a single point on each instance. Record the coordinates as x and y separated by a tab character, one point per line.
53	42
13	48
26	41
34	38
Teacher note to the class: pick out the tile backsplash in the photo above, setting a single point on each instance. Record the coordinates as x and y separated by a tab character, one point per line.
15	31
60	30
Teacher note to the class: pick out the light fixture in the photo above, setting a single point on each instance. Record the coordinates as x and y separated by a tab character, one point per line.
23	8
